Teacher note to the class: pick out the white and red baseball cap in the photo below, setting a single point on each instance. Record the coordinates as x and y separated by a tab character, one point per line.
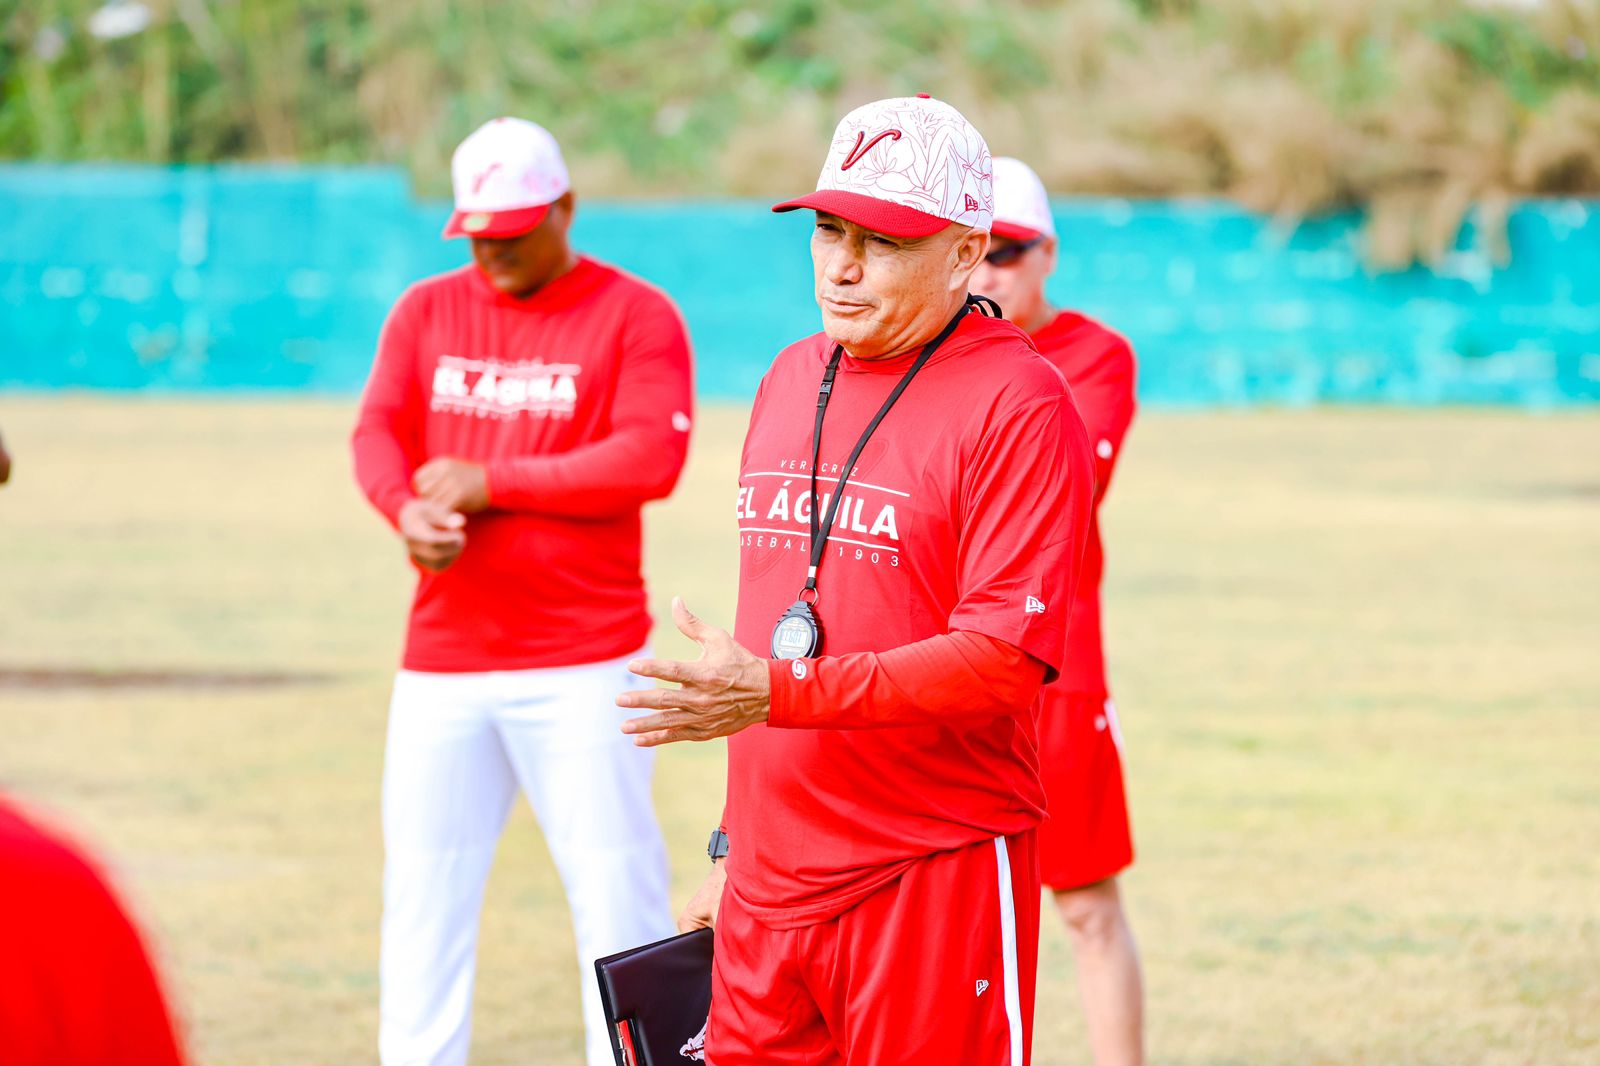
1021	206
905	167
506	175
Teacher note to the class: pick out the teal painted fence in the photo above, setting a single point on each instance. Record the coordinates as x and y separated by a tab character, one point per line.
116	277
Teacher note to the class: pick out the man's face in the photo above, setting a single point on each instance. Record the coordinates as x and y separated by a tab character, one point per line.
880	295
519	265
1016	282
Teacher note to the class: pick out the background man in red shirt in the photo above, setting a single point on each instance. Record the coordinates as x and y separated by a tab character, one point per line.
1085	841
520	411
76	985
913	496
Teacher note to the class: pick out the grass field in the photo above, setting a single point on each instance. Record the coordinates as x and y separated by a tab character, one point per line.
1355	653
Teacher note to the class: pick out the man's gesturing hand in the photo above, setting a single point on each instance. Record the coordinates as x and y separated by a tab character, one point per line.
722	692
454	484
434	535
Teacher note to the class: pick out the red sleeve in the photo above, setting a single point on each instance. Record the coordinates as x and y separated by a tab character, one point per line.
640	458
952	675
387	442
1105	399
1024	521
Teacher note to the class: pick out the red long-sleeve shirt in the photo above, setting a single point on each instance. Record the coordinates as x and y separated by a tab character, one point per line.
1099	366
578	401
943	598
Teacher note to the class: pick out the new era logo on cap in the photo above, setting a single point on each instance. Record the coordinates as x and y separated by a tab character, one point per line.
907	167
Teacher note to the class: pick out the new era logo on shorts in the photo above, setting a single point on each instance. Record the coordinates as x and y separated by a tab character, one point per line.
1034	606
983	986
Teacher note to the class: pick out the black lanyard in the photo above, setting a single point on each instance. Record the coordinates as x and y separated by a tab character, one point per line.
820	533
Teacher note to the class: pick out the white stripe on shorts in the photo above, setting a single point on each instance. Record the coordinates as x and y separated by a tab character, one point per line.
1008	949
1115	723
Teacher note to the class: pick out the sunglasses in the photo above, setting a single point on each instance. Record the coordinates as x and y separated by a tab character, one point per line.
1010	253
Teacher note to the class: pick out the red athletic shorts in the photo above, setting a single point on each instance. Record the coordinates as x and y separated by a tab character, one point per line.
937	966
1086	837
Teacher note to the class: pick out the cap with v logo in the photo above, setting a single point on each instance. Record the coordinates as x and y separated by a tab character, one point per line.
505	176
905	167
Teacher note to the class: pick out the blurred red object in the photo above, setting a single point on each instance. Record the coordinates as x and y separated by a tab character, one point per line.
76	985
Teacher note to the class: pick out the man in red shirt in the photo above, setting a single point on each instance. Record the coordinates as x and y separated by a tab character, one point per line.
1085	842
520	412
913	497
76	985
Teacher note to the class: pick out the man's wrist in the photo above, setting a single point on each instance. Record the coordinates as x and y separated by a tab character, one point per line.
503	487
761	678
399	500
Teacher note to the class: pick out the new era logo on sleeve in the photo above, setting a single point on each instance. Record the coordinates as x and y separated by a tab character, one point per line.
1034	606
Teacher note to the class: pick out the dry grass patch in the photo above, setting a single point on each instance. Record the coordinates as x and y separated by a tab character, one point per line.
1352	649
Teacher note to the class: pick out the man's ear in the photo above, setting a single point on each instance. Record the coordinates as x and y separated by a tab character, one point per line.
966	254
565	206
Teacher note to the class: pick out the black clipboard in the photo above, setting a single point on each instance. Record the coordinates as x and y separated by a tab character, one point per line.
656	1000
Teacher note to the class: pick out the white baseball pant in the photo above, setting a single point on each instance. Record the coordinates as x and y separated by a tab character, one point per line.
459	747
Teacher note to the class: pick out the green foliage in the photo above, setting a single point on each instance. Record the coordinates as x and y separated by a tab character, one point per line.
1288	106
1499	46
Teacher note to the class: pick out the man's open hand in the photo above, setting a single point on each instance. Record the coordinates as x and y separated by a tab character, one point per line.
434	534
722	692
454	484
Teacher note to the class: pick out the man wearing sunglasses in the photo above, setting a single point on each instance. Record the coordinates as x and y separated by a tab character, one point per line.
1085	842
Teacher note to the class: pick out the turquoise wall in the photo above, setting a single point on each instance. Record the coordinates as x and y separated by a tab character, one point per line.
119	277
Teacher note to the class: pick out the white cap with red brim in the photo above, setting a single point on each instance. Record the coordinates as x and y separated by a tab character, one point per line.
905	167
506	175
1021	206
